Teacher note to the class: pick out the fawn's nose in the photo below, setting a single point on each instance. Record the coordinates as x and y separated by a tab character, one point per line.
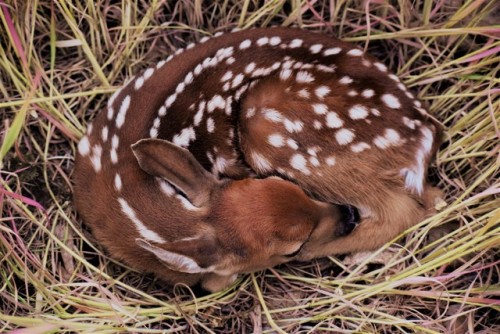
349	219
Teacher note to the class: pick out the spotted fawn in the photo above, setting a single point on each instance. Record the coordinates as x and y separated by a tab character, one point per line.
251	149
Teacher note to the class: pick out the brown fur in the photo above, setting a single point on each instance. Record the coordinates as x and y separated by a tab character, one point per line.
233	226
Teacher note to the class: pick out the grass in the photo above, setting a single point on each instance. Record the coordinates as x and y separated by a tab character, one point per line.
61	60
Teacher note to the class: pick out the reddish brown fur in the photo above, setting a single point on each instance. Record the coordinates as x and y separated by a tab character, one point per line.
250	224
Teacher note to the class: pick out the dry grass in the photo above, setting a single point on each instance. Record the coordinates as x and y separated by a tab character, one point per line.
61	60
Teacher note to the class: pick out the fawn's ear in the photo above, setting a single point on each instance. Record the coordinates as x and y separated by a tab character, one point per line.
173	260
176	165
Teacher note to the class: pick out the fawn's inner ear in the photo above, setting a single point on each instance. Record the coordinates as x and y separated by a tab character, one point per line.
175	261
176	165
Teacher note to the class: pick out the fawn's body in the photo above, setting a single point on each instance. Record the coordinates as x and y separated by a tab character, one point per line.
265	102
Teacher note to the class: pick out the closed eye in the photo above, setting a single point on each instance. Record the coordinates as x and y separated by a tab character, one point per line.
296	252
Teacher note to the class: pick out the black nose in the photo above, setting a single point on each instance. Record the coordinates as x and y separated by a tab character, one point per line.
349	219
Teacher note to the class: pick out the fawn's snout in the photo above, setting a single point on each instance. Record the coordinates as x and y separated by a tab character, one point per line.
349	219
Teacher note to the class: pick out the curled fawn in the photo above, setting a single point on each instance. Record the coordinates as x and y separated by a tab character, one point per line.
251	149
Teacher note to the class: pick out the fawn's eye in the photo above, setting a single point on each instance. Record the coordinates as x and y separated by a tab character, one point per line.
295	252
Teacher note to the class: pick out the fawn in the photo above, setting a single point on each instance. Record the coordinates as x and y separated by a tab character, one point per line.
251	149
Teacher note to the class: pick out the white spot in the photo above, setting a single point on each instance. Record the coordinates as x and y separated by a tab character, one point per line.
90	127
368	93
332	51
220	165
229	106
352	92
198	69
188	79
292	144
285	74
226	86
120	118
227	76
409	123
185	137
250	112
104	134
295	43
304	77
110	113
391	138
180	88
359	147
293	126
313	151
333	120
304	93
113	155
237	80
317	125
322	91
161	63
141	228
113	97
314	161
148	73
276	140
217	34
355	52
401	87
410	95
245	44
391	101
326	69
358	112
230	60
138	83
345	80
272	115
320	108
162	112
170	100
381	67
118	182
274	41
414	178
316	48
190	46
417	104
95	158
394	77
299	163
261	163
239	92
287	64
210	125
366	63
330	161
84	146
199	114
344	136
249	68
262	41
153	133
217	102
204	39
375	112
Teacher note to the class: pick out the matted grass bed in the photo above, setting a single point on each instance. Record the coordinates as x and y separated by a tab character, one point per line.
61	60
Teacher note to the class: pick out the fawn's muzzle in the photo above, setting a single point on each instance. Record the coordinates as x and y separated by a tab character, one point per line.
349	219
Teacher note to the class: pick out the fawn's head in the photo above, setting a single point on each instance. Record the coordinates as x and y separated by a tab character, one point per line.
246	224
